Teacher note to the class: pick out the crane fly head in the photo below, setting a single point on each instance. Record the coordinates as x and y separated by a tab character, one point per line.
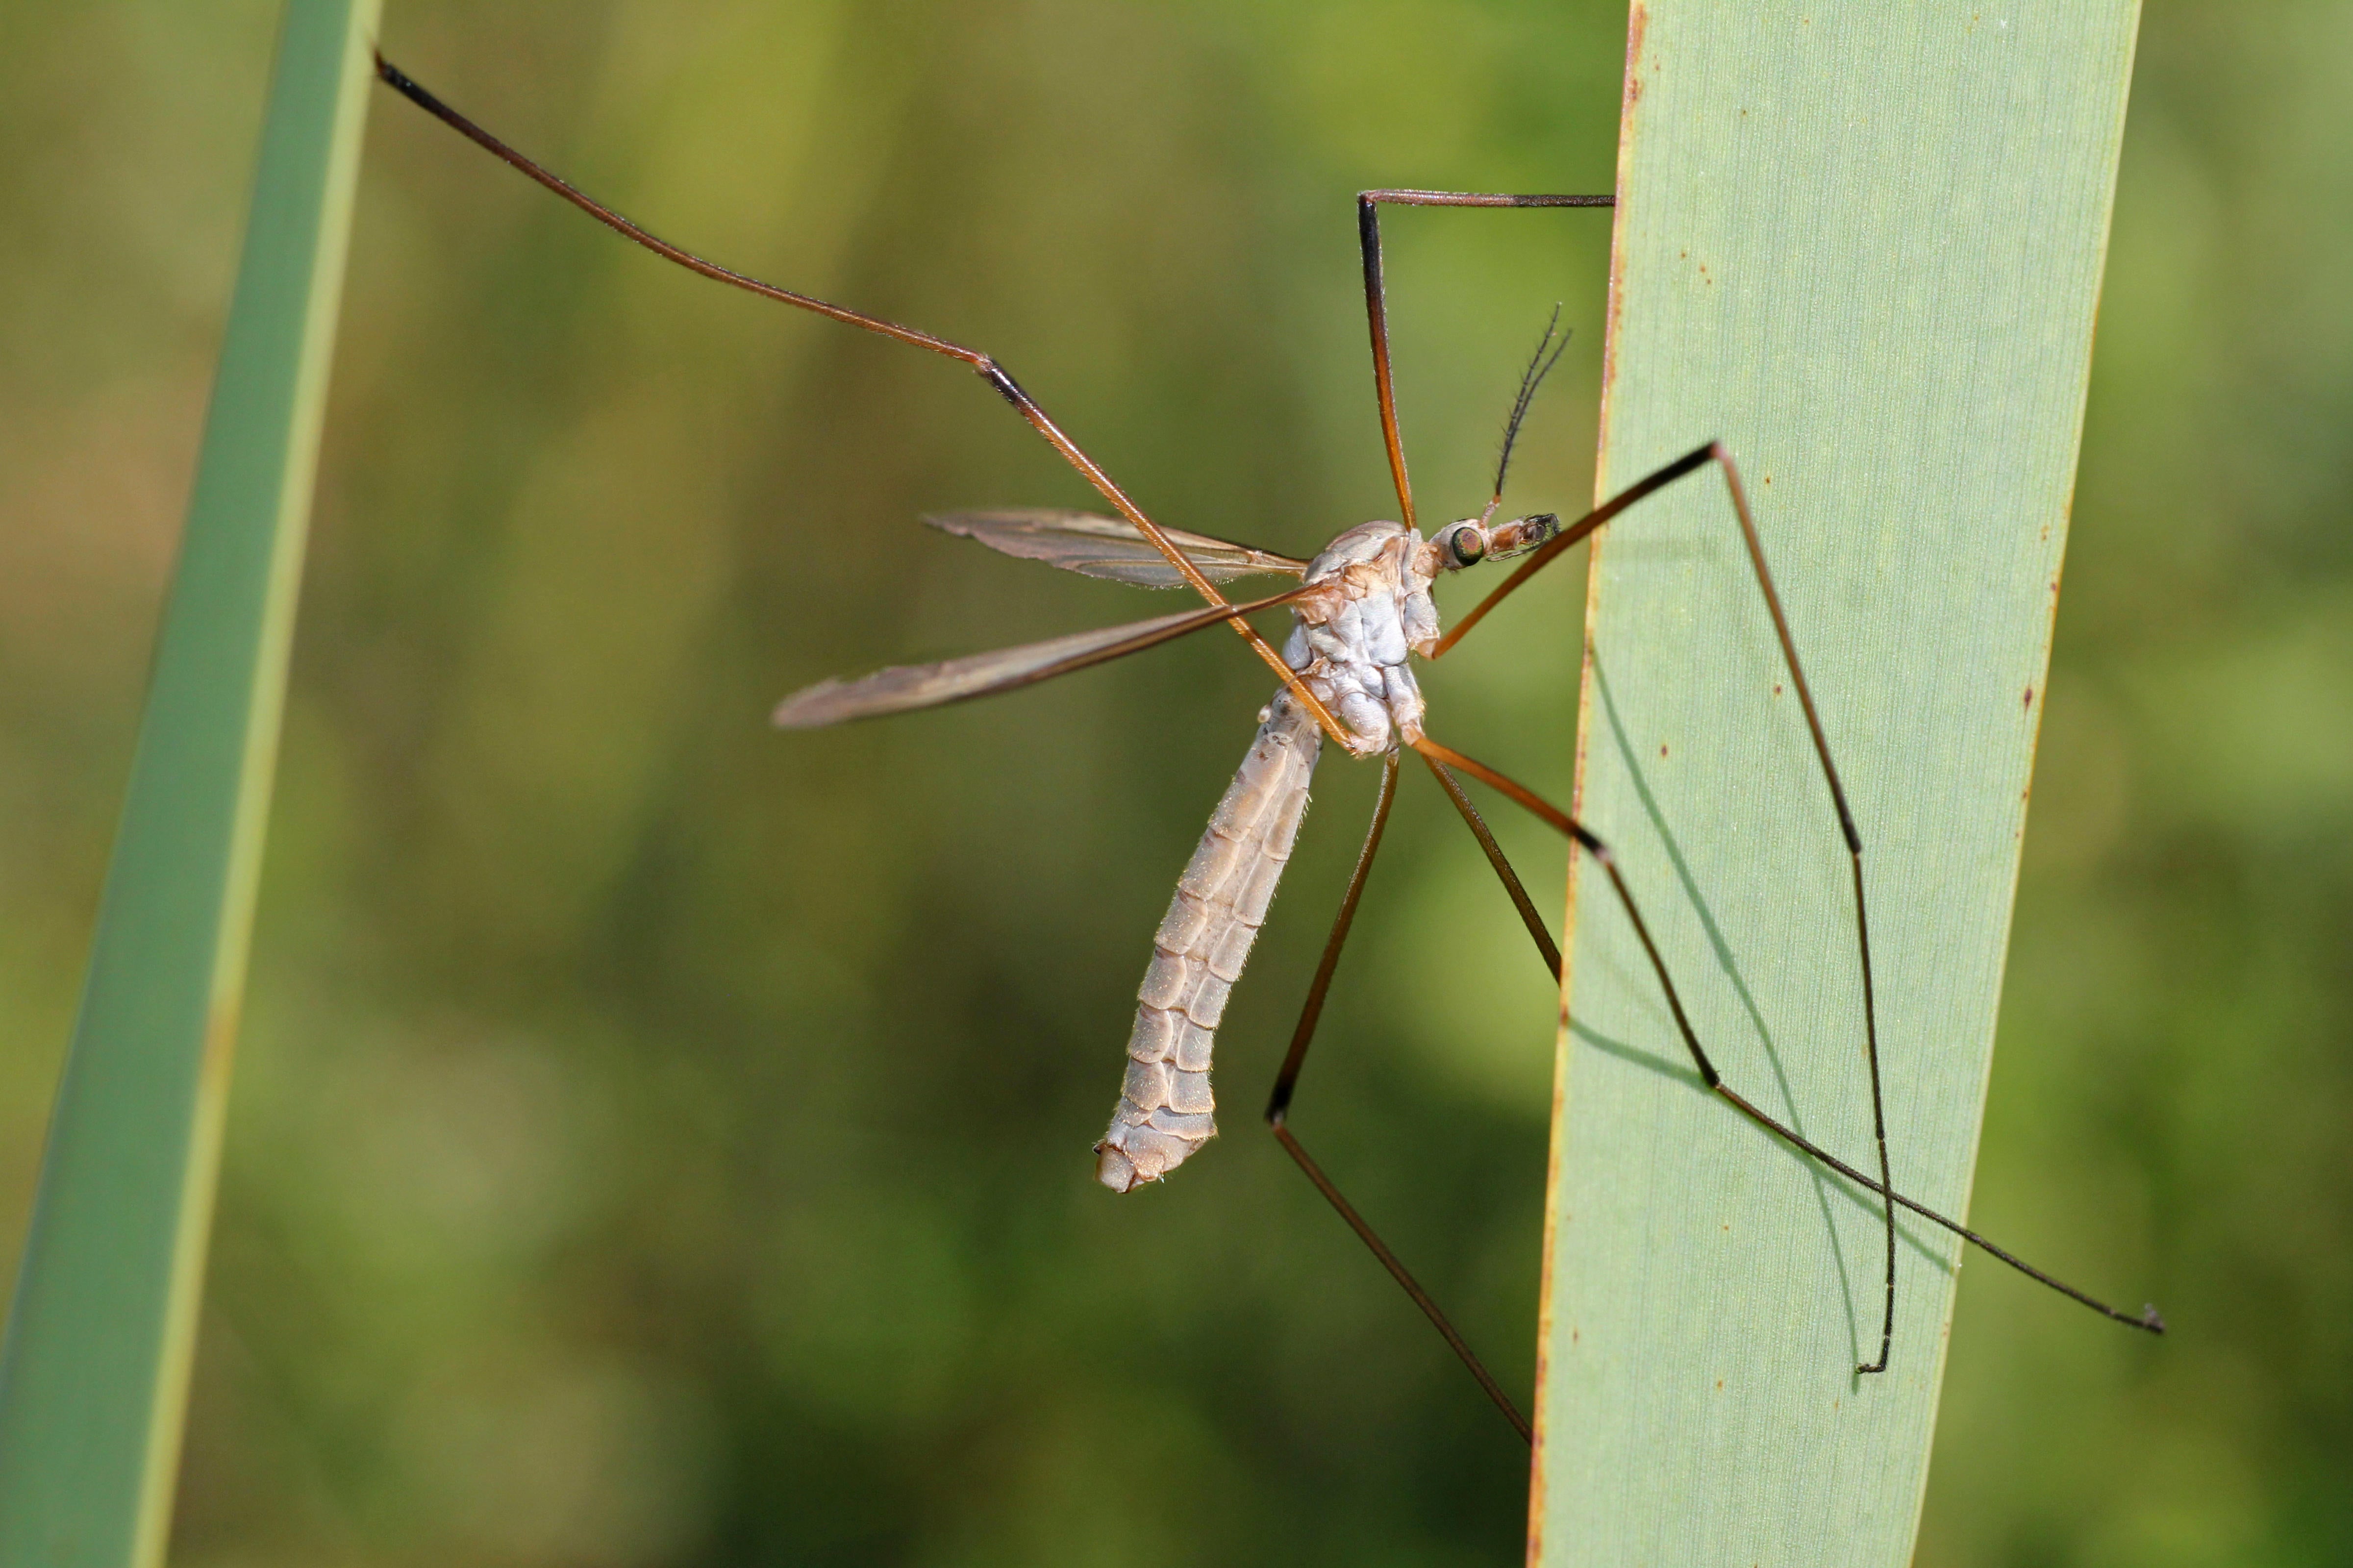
1473	540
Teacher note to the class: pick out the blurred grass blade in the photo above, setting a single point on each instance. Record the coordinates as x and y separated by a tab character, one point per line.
1863	247
93	1379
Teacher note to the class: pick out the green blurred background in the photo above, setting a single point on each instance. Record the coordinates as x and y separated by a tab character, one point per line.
658	1139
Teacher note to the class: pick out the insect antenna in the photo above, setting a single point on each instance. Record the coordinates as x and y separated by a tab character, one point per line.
1539	367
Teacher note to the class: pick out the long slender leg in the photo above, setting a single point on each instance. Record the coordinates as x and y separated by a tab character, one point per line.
984	365
1546	947
1376	311
1577	834
1689	463
1286	1083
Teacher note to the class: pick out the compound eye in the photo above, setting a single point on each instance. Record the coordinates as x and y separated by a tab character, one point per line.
1466	544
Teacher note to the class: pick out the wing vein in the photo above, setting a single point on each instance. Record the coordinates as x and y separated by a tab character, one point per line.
905	686
1110	547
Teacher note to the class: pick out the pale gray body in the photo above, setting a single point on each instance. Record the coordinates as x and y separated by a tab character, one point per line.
1363	609
1350	641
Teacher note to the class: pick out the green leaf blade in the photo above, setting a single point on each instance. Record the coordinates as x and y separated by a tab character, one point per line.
93	1378
1864	250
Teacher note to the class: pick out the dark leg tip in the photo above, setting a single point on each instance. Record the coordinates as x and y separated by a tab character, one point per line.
2150	1319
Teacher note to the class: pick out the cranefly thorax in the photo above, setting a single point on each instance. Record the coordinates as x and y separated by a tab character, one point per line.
1368	609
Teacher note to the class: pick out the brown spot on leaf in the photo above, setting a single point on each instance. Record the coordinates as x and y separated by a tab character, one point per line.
2030	697
1637	22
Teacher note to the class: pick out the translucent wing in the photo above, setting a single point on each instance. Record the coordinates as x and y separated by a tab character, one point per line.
1109	546
905	686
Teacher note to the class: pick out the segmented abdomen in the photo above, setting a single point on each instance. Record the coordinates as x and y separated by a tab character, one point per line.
1165	1111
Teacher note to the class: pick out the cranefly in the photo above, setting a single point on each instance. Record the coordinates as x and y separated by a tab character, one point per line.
1361	612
